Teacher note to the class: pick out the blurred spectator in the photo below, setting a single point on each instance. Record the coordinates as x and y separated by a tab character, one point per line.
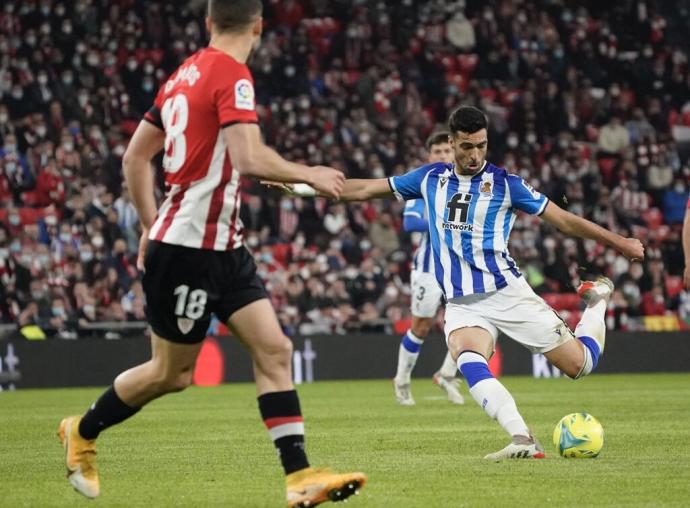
590	109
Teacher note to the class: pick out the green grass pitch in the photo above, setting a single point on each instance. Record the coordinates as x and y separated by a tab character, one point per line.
207	447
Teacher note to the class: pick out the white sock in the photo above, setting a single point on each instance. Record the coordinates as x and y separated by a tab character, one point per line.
449	368
407	356
591	332
490	394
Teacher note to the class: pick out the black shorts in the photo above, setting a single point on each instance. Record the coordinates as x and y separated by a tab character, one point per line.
184	286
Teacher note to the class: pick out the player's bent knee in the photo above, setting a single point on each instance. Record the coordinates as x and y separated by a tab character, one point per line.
275	354
422	328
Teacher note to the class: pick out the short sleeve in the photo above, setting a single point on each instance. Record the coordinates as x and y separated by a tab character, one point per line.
524	197
153	115
409	185
234	97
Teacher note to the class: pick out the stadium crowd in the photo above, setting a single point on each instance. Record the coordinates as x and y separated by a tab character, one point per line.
590	104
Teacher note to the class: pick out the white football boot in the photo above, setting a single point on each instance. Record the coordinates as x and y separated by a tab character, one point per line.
451	386
522	447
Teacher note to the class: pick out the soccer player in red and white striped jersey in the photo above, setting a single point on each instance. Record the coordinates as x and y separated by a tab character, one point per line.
193	257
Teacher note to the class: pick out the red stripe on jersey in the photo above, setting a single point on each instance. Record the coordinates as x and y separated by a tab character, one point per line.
175	206
216	206
234	220
281	420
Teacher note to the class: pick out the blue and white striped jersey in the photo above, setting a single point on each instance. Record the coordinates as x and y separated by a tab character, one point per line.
470	218
423	259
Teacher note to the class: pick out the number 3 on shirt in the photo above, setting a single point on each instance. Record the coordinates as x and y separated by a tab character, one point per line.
175	113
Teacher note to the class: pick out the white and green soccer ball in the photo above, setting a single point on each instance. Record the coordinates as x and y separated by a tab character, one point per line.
578	436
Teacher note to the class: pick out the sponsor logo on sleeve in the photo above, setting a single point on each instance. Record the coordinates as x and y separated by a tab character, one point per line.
244	95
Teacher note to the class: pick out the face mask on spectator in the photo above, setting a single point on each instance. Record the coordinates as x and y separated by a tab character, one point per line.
365	245
31	40
4	253
86	256
67	27
68	146
15	246
512	140
119	150
42	79
67	79
97	241
41	131
15	220
17	93
37	294
65	237
679	188
59	312
89	309
131	64
147	85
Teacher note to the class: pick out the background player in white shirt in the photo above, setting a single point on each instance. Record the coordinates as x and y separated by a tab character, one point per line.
426	294
472	206
204	119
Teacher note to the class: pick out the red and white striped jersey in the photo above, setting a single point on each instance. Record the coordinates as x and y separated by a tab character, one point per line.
209	91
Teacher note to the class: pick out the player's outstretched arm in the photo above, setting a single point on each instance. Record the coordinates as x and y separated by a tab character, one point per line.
686	247
354	189
252	157
572	225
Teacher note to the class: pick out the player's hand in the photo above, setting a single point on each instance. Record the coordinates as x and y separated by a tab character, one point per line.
285	188
143	242
632	249
328	181
686	276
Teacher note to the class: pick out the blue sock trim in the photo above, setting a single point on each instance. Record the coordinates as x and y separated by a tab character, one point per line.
410	345
593	347
473	372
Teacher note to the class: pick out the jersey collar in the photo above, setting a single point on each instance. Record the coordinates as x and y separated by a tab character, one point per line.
467	178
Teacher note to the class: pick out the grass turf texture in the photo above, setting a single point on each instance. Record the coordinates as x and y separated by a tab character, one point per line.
207	446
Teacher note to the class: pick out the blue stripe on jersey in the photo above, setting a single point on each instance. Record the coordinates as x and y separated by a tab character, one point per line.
506	232
489	233
427	253
466	240
455	266
431	185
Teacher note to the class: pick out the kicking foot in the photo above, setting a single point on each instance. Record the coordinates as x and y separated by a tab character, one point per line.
451	386
522	447
311	486
591	291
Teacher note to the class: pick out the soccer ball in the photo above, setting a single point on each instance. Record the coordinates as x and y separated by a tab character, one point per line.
579	436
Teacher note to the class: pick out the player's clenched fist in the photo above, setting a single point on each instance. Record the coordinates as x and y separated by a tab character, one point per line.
328	181
632	249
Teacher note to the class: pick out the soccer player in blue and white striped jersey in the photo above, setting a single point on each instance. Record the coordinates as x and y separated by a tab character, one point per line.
426	294
472	206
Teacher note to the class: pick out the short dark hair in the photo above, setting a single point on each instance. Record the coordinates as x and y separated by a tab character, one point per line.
467	119
437	138
233	15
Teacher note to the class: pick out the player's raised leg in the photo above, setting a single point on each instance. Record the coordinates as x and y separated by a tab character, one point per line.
169	370
471	347
577	358
257	327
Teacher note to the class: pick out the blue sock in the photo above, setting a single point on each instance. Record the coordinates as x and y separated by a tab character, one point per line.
593	349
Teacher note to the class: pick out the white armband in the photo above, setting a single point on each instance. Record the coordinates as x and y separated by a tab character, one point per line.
304	190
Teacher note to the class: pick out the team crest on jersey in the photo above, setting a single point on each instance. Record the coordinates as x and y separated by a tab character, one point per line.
244	94
485	188
185	324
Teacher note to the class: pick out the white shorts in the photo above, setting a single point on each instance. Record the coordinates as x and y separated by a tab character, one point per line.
426	294
515	310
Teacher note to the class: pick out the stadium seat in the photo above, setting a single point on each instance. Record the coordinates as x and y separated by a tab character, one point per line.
674	285
562	301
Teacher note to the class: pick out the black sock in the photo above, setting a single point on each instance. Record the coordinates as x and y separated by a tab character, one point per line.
283	419
107	411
